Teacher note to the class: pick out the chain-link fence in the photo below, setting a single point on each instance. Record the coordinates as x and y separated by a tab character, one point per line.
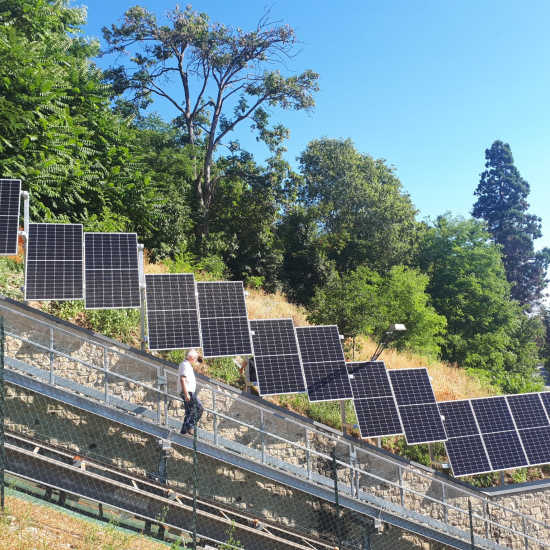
89	420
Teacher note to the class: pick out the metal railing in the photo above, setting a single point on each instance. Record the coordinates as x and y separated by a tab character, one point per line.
109	375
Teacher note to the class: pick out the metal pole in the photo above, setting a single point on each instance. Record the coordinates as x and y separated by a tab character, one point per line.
142	291
502	482
2	417
471	524
195	431
336	497
25	233
343	416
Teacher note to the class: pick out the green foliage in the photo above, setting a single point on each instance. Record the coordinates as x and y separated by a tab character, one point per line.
363	302
485	328
359	205
231	543
502	203
223	368
210	267
12	276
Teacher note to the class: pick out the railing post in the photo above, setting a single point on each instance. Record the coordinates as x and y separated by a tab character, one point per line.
52	371
262	433
336	496
2	416
486	518
308	456
214	408
401	492
525	533
444	499
471	524
106	368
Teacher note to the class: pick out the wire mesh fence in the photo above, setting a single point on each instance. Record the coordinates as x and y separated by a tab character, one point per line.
169	484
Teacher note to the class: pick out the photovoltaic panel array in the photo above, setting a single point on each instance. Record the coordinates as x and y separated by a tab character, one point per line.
324	363
497	433
277	358
111	270
54	262
373	399
223	319
172	311
10	200
417	406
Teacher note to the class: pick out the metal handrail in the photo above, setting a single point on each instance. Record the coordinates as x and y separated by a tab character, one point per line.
307	449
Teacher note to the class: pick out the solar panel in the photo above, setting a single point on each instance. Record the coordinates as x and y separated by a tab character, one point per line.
545	398
324	363
377	417
224	319
111	271
10	201
468	456
505	450
373	399
172	311
493	415
536	442
527	410
54	262
417	406
277	357
465	447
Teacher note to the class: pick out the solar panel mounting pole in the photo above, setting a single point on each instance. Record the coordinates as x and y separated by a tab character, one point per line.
25	232
142	291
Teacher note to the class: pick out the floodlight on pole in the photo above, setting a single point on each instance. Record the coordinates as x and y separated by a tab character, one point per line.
388	337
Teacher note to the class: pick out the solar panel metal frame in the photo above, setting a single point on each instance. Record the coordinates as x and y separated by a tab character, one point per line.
304	363
479	434
28	259
388	394
147	276
257	357
17	183
105	270
245	316
414	404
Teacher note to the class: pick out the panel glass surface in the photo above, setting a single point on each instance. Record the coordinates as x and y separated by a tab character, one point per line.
411	386
422	424
172	313
54	262
545	398
324	364
493	415
377	417
369	379
527	410
505	450
536	442
467	456
10	201
276	356
459	418
111	271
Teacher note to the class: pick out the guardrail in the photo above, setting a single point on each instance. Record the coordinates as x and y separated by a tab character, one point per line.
134	385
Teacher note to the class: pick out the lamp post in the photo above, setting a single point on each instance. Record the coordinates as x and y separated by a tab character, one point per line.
388	337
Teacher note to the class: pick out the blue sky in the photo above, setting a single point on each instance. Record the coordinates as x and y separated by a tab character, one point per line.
426	85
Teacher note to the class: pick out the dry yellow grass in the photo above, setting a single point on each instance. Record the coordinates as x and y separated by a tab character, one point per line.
29	526
274	306
150	267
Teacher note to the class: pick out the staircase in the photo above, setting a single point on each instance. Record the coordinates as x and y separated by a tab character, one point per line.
269	471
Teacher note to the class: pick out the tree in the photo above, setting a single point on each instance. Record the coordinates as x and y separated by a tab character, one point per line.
225	78
359	205
485	328
502	203
363	302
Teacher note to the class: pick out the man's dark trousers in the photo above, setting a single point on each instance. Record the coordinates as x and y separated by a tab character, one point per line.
189	422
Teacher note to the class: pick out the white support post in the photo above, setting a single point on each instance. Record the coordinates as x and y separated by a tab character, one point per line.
142	292
25	232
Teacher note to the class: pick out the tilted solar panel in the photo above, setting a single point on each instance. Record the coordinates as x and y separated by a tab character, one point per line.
111	271
324	363
172	311
373	399
223	319
277	357
505	450
536	442
417	406
54	262
493	415
10	201
527	410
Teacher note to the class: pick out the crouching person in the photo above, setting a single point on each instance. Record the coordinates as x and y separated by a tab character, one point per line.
188	392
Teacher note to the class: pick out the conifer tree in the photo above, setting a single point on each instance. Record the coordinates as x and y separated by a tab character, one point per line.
502	203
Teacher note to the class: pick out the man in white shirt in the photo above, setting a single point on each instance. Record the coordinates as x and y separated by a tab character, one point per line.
187	386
